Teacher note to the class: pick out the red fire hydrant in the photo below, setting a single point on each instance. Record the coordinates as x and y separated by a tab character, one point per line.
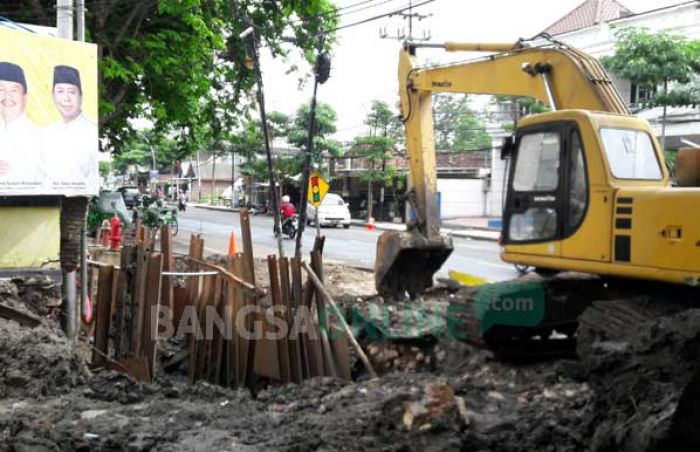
105	232
116	232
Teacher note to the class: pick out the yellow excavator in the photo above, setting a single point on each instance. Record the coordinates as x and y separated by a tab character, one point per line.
588	189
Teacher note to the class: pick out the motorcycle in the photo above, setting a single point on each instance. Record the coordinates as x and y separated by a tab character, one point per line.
288	226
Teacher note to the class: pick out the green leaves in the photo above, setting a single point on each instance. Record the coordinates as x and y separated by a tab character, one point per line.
456	126
378	147
658	60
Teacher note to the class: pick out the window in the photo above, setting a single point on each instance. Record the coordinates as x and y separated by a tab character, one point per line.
537	165
578	190
536	223
630	154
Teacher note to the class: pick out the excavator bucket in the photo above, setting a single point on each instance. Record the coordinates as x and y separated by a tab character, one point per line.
407	261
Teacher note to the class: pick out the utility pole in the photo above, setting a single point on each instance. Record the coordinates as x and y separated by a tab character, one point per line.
249	34
400	33
64	18
321	74
81	20
71	211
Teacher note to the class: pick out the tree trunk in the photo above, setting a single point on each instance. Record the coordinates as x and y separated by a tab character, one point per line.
213	171
369	199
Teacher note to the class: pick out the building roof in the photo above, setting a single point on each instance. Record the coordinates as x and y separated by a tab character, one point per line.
587	14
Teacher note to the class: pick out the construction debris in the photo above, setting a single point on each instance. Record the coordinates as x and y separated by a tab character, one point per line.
433	392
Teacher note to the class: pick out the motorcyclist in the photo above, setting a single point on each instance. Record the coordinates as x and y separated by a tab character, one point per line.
287	209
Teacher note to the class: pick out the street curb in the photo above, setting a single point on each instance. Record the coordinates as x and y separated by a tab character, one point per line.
219	208
466	234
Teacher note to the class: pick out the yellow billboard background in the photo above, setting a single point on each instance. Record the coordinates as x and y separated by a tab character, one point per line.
38	55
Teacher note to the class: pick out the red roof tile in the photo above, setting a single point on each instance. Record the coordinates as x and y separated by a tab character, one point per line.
587	14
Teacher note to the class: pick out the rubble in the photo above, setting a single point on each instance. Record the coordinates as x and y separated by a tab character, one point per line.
433	394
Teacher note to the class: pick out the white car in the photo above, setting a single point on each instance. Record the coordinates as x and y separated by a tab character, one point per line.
332	212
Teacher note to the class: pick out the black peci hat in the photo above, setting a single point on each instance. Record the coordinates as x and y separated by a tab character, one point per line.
12	73
67	74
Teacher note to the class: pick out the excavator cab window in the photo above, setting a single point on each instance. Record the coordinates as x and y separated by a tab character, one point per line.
548	189
630	154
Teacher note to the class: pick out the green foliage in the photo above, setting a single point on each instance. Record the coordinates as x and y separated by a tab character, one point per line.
294	130
298	132
141	147
655	60
456	126
179	63
104	169
377	147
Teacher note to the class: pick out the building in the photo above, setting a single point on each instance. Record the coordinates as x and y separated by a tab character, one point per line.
461	184
591	27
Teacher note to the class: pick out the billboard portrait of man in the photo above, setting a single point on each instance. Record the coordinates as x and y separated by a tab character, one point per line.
70	144
20	147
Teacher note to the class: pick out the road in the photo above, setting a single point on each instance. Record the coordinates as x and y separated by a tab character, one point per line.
355	246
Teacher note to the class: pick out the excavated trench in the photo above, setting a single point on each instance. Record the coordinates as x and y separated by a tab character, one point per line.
434	393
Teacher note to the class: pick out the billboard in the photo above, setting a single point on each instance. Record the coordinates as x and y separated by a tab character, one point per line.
48	115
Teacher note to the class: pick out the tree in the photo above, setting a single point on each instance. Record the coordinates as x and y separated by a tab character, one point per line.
376	148
456	126
666	63
521	107
148	148
177	61
298	132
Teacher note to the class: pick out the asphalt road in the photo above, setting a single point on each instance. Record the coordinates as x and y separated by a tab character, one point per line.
355	246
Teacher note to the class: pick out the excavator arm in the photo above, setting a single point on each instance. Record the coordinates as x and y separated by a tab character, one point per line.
555	74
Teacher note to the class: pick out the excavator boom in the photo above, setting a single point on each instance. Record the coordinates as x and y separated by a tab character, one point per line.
555	74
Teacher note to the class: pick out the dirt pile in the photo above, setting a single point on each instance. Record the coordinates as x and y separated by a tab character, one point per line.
36	361
638	379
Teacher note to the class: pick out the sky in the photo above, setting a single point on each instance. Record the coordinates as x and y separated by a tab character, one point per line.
364	65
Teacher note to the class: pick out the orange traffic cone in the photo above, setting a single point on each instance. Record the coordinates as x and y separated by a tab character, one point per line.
370	224
232	245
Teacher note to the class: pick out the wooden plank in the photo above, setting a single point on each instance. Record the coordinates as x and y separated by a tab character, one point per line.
319	243
22	318
280	313
249	276
102	318
329	366
242	343
360	353
266	355
214	341
203	343
138	300
298	297
294	347
231	377
341	352
149	333
122	325
166	249
247	239
226	273
179	303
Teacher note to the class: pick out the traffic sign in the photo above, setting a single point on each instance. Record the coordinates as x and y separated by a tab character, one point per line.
318	188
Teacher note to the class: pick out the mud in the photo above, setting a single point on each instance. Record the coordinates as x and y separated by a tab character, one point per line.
433	395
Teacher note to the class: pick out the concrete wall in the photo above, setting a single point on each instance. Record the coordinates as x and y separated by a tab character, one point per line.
29	237
461	197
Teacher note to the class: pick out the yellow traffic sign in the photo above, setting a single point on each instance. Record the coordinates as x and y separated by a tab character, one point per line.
318	188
